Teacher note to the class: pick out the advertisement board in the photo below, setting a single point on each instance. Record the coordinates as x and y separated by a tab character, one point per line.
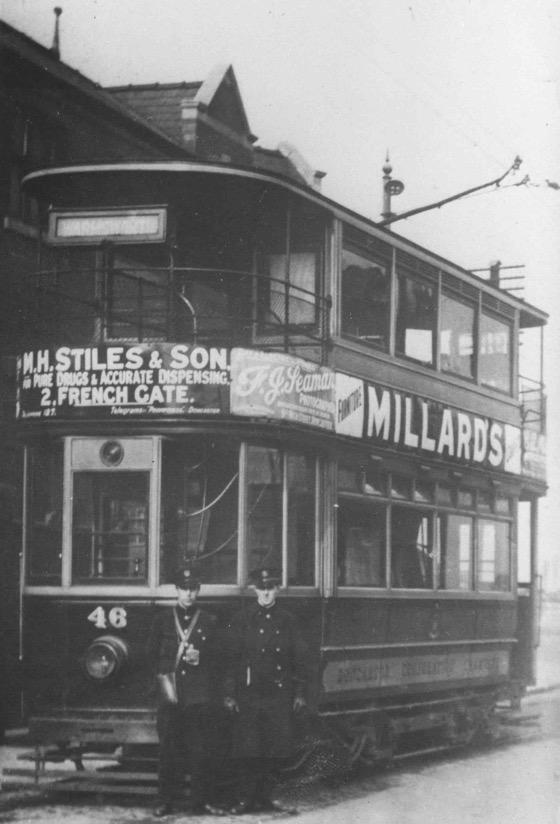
104	381
175	379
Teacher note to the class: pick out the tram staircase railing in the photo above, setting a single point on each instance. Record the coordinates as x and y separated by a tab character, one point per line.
533	404
201	306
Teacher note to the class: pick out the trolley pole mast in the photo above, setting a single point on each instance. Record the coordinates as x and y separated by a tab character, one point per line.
391	188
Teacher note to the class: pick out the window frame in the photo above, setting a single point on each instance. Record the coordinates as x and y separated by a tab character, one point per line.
434	510
377	261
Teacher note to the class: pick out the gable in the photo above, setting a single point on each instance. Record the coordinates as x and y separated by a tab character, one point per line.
219	96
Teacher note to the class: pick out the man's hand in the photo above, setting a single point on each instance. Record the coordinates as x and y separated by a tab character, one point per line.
299	704
231	704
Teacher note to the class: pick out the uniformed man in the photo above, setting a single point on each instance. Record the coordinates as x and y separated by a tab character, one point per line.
182	641
264	686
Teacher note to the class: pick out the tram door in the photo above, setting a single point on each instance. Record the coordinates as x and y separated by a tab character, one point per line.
110	509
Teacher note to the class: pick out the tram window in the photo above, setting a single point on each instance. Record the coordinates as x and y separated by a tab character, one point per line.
350	478
444	495
375	481
416	319
455	539
493	568
264	507
495	359
502	505
465	498
44	515
456	338
484	502
291	241
300	514
365	299
302	277
137	301
110	527
361	544
401	487
412	548
423	492
199	504
280	506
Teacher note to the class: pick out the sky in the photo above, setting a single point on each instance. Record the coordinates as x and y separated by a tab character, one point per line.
454	91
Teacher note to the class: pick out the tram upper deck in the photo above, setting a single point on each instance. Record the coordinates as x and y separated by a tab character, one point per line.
213	255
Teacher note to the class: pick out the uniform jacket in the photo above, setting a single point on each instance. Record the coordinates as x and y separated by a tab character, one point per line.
266	654
195	684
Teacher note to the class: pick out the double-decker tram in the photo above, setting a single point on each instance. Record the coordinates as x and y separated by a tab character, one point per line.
225	366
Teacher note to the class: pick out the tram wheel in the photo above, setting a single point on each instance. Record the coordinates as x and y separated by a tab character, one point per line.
462	728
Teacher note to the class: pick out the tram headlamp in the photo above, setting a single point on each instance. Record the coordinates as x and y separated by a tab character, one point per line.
105	657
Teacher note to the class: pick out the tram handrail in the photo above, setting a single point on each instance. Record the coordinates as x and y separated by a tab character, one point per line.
533	403
159	303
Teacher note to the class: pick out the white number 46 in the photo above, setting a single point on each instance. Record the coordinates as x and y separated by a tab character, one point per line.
117	617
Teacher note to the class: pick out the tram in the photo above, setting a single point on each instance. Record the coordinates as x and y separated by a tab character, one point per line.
223	365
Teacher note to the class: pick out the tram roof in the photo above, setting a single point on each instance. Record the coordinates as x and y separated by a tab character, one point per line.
530	316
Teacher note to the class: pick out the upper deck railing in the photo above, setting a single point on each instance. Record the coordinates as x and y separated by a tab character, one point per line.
533	404
217	306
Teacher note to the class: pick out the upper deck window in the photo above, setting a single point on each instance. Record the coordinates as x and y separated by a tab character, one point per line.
290	241
416	319
365	288
365	299
495	352
456	337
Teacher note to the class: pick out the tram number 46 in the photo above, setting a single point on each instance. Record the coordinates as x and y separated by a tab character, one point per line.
117	617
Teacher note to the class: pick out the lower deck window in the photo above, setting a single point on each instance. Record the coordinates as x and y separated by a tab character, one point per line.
203	504
280	504
411	548
199	505
431	547
455	534
110	526
361	544
44	517
493	556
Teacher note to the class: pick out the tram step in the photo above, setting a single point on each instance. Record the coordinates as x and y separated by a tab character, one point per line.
84	775
77	786
56	756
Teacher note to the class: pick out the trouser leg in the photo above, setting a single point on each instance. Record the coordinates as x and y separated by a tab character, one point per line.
199	747
168	731
249	779
267	781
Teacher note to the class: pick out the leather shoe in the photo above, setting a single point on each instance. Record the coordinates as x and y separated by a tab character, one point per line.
241	808
163	809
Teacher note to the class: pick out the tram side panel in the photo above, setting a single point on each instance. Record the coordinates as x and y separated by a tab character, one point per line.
403	649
